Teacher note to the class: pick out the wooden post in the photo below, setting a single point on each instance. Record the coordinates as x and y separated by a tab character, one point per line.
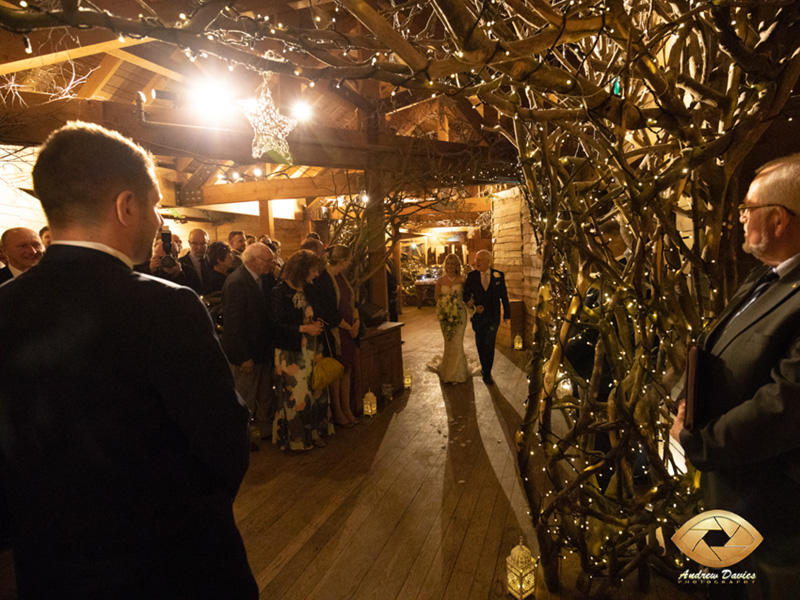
266	222
398	275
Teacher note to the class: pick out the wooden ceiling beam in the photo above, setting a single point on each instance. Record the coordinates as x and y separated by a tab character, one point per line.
329	184
53	58
151	66
166	131
99	77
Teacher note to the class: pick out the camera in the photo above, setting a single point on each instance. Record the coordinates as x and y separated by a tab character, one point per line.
167	261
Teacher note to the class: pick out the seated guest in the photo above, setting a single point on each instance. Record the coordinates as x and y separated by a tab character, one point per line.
334	302
44	234
220	258
195	264
23	249
301	421
247	341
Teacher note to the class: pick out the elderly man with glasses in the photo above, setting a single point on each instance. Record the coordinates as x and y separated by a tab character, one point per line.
744	434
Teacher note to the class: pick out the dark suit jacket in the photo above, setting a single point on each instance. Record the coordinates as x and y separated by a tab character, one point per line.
123	440
192	278
490	299
747	438
5	275
244	314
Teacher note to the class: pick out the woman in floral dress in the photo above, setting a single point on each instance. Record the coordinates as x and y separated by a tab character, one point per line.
302	417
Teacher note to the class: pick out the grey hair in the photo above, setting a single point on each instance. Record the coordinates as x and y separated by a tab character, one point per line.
780	181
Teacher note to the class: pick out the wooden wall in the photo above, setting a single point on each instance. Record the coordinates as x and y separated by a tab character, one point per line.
515	253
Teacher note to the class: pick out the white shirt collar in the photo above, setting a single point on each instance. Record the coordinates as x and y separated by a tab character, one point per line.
97	246
787	265
14	270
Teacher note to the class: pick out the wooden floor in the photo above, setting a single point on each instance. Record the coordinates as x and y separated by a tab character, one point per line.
420	501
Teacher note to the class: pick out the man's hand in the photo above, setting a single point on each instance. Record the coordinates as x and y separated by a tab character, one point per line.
677	424
173	271
246	366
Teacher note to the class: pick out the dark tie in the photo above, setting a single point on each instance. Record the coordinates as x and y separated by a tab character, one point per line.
761	286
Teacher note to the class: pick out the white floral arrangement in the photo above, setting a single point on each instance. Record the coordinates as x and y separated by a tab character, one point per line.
449	314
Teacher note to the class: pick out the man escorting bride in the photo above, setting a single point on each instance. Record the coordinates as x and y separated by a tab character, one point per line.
483	290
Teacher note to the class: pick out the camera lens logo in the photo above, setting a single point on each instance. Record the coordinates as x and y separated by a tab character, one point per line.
717	538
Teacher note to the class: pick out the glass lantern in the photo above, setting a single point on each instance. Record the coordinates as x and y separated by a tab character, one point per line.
518	342
407	379
370	404
521	572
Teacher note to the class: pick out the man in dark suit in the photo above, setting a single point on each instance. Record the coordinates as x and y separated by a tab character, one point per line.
121	457
485	290
237	242
746	433
23	249
195	265
246	339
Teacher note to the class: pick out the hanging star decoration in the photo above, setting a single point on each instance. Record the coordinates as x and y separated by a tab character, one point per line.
270	127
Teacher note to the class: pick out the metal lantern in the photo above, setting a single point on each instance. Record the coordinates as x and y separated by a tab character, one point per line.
521	572
370	404
518	342
407	379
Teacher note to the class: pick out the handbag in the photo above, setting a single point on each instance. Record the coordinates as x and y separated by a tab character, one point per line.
326	371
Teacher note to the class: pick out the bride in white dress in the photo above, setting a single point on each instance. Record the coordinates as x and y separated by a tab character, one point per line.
452	366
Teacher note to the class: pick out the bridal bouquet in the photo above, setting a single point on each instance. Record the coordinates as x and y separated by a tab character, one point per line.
449	314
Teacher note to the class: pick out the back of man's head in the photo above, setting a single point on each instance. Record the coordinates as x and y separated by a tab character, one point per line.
314	245
83	167
258	257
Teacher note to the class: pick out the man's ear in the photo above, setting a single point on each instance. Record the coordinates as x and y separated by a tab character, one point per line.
125	205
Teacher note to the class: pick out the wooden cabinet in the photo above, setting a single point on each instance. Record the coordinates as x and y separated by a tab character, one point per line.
380	360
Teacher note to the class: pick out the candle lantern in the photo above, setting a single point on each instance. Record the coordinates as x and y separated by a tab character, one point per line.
521	572
370	404
407	379
518	342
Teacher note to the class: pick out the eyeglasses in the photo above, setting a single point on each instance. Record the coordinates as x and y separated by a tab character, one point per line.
746	208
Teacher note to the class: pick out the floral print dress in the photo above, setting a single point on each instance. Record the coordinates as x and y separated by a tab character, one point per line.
302	415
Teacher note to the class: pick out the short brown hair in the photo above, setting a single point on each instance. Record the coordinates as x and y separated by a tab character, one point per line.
234	233
299	266
338	253
82	167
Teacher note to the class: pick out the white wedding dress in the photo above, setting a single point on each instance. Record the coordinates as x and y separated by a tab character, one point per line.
452	366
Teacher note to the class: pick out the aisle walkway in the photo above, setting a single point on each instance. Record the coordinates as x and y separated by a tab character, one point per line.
421	501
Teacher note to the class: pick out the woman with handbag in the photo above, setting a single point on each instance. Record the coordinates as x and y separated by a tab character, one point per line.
334	301
301	421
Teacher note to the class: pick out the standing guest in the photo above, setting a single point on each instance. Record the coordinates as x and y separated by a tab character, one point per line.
121	459
276	251
23	249
314	245
264	239
301	421
485	289
313	235
247	341
237	242
744	438
161	267
334	302
220	258
195	264
44	235
250	239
